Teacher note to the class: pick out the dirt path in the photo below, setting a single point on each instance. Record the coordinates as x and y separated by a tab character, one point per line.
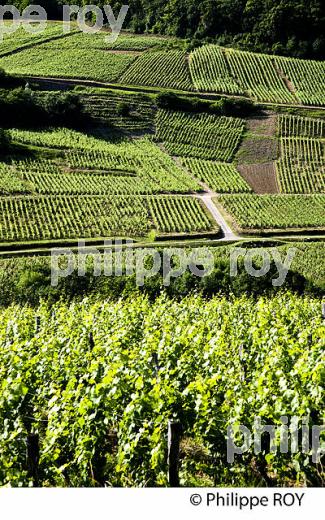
207	199
118	51
286	80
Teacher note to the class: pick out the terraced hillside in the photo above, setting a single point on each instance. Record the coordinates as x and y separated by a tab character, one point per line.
134	114
301	167
199	135
84	185
90	175
288	190
265	171
264	212
155	62
19	39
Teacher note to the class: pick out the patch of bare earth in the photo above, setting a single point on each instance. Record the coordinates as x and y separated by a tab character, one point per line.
261	177
132	53
264	125
257	149
287	82
259	144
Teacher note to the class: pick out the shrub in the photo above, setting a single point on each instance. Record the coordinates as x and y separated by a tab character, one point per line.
61	109
172	101
223	106
123	109
24	109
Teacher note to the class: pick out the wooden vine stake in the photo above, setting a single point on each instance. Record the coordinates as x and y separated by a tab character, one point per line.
91	341
32	457
174	435
37	324
323	311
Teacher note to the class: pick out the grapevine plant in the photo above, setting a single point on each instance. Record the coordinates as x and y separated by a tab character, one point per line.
99	380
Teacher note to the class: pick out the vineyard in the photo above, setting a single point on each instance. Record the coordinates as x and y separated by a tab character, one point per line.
179	214
53	54
275	211
96	371
257	76
60	217
46	178
308	78
10	182
165	69
220	177
20	39
209	70
64	138
204	136
301	168
69	167
234	72
77	166
125	42
79	184
134	114
101	408
186	146
49	60
296	126
106	175
87	164
260	76
153	61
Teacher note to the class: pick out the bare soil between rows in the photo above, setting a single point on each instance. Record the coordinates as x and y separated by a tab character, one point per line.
261	177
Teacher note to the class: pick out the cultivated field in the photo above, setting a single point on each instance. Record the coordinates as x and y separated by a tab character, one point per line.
71	217
276	211
199	135
80	185
162	63
166	69
148	151
110	398
209	70
301	167
218	176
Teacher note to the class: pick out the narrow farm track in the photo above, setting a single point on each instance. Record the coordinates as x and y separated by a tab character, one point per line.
41	249
207	199
66	83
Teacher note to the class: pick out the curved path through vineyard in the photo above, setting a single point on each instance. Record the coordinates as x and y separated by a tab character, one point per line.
207	196
207	199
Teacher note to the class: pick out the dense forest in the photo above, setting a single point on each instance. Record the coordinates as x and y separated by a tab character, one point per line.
287	27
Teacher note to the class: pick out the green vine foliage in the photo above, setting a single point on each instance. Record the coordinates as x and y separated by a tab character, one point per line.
99	380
